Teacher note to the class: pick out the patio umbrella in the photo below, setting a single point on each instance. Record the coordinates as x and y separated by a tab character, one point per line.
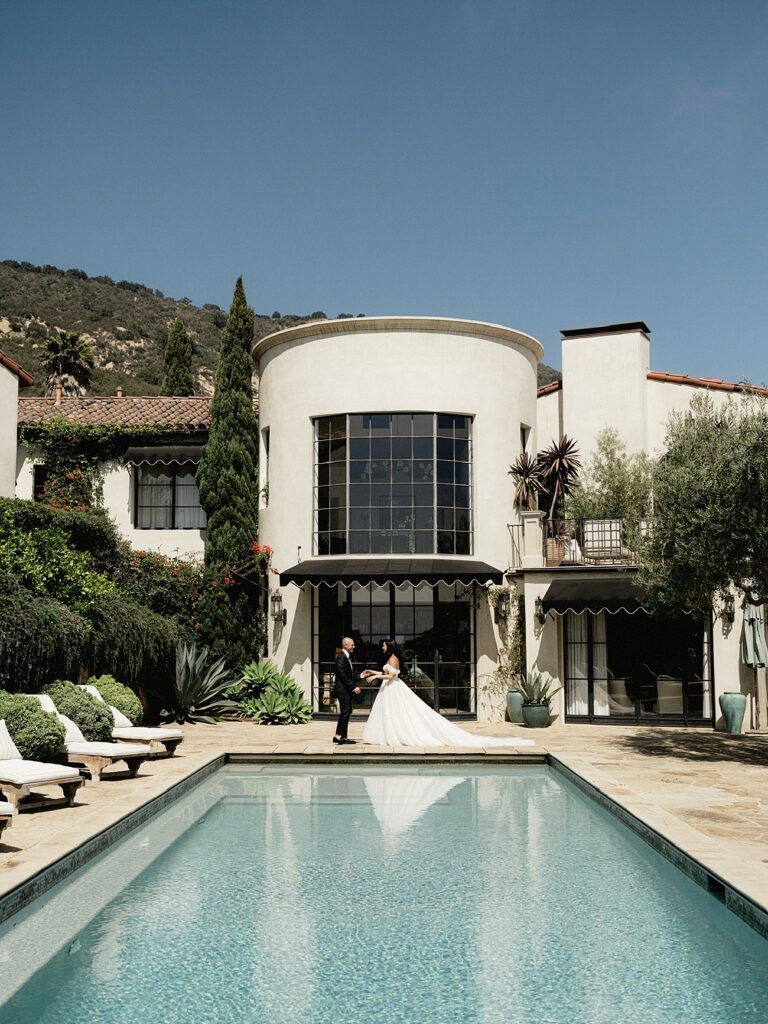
754	649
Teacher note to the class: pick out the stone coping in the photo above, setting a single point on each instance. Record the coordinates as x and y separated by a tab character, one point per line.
43	847
366	325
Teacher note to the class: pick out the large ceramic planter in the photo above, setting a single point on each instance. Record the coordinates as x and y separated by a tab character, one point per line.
536	716
515	706
733	706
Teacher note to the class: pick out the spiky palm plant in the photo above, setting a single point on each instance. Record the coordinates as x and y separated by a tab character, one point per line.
68	361
199	690
559	465
528	483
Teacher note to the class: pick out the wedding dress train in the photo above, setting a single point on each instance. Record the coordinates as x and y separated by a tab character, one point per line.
399	718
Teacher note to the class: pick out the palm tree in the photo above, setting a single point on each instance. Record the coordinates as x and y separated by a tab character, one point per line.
559	466
68	361
529	484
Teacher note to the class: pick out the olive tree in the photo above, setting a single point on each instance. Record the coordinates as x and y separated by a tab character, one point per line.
710	530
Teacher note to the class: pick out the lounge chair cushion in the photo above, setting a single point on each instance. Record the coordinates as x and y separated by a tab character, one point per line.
92	690
72	733
121	721
6	809
116	750
46	702
8	749
21	773
146	735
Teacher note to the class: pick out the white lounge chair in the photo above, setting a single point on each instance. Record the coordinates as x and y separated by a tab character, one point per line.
7	811
17	776
95	757
161	741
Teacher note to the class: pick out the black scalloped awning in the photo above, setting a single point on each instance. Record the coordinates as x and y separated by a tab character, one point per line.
591	595
390	570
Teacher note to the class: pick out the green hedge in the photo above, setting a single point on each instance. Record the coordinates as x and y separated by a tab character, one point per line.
92	716
119	696
131	641
40	638
92	532
38	734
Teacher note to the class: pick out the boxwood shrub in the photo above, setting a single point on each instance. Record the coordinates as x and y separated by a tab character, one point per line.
119	696
93	717
38	734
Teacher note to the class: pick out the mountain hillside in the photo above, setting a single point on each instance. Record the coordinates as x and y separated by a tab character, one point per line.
125	322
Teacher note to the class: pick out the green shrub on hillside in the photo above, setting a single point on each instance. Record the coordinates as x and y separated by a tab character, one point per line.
38	734
119	696
92	716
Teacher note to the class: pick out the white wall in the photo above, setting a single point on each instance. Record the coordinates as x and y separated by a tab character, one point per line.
605	380
118	502
9	396
549	420
389	364
667	397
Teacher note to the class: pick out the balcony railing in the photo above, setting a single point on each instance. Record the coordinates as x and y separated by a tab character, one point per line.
591	541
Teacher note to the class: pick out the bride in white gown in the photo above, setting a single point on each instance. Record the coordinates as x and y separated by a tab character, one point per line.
399	718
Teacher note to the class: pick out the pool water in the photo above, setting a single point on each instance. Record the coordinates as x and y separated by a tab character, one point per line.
501	896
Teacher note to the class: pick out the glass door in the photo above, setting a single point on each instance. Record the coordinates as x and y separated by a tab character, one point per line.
434	626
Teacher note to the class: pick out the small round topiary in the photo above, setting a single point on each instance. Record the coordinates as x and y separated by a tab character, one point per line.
38	734
92	716
119	696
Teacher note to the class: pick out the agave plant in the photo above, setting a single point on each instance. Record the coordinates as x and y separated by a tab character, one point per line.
528	481
270	708
199	690
255	677
282	684
559	466
536	688
297	709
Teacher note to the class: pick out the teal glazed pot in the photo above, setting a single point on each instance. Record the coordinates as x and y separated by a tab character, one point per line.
515	706
733	706
536	716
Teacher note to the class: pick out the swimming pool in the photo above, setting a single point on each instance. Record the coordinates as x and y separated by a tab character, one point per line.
486	895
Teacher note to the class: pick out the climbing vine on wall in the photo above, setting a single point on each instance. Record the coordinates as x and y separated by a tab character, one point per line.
76	455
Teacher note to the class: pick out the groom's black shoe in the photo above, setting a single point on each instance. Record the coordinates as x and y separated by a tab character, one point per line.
345	739
338	739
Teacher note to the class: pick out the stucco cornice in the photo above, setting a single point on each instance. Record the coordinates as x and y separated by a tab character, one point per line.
367	325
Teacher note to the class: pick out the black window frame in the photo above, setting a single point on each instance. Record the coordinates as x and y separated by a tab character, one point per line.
371	496
173	469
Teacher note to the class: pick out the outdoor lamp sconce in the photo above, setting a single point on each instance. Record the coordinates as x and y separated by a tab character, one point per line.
541	615
279	614
729	608
501	610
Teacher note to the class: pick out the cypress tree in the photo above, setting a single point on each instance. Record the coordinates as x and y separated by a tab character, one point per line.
231	618
177	365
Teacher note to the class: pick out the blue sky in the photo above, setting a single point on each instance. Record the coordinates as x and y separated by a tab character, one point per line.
539	163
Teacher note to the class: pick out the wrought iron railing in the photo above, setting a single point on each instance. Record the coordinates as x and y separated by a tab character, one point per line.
607	541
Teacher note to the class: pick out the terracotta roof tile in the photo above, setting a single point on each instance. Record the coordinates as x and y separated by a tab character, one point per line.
549	389
14	367
704	382
188	414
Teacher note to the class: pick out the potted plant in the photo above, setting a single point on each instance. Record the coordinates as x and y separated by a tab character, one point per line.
537	694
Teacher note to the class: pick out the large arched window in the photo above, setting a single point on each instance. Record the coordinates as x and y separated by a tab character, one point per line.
393	483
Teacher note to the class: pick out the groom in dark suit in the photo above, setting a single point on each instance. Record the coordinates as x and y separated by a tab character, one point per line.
344	685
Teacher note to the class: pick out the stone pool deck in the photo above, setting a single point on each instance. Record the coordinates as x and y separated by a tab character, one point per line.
704	792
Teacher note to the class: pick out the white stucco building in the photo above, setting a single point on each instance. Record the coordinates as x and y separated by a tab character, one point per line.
385	447
11	375
151	493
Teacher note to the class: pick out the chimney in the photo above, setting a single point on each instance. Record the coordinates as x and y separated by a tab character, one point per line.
58	392
119	390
